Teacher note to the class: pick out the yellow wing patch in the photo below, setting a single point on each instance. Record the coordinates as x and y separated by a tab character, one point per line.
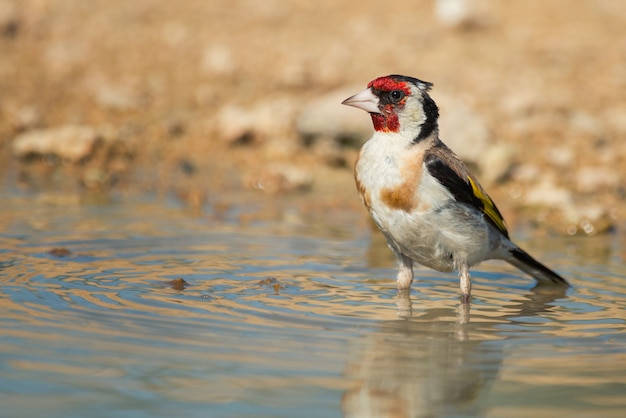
489	208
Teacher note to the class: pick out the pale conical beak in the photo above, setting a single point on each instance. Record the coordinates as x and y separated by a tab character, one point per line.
365	100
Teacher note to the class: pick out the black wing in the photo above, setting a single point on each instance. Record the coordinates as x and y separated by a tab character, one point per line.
465	191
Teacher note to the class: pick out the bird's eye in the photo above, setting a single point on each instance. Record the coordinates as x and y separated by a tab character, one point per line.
397	95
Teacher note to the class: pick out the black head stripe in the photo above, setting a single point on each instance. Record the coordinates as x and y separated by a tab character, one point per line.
431	115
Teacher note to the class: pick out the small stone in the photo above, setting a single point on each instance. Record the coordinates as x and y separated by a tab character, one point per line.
60	252
562	156
497	163
218	59
281	148
187	166
548	194
519	103
120	95
115	97
526	172
239	126
10	20
70	142
460	13
452	12
235	125
273	283
596	179
586	124
178	284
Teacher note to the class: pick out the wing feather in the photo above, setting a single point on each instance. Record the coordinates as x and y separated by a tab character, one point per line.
453	175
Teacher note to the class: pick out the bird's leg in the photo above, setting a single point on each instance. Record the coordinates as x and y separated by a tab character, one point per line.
405	273
403	302
466	284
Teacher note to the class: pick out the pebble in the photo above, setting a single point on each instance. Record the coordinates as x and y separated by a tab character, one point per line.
565	215
10	20
218	59
526	172
234	124
460	13
547	194
561	156
115	96
497	163
596	179
453	12
586	124
241	125
70	142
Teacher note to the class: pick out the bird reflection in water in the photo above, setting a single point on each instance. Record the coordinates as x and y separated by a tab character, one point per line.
433	362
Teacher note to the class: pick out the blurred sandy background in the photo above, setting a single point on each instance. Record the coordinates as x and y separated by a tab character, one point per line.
224	102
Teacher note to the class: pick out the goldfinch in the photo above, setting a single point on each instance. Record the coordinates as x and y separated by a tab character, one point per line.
422	197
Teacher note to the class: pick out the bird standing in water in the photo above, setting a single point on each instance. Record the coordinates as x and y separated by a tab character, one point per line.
422	197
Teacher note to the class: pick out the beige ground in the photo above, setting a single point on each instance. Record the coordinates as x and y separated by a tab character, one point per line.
154	77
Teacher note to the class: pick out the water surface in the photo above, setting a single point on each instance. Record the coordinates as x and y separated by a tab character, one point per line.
289	318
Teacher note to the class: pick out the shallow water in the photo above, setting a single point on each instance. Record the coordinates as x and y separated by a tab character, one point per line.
290	319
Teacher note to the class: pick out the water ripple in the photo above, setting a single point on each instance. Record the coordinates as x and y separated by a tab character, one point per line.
178	315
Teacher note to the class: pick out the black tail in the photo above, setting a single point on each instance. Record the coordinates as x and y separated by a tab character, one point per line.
524	261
